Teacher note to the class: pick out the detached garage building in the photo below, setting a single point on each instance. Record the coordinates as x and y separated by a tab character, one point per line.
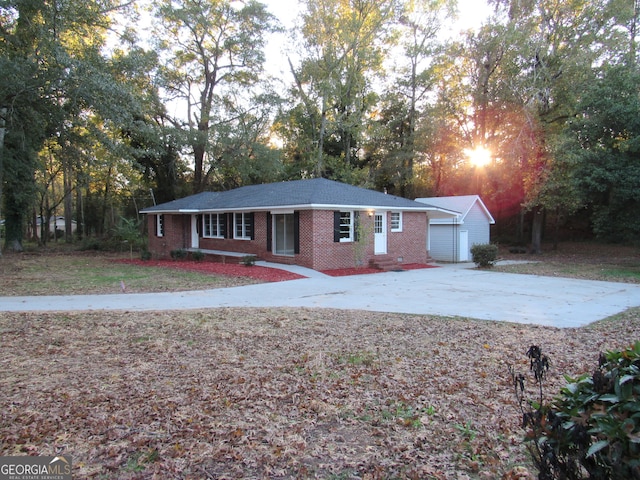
451	239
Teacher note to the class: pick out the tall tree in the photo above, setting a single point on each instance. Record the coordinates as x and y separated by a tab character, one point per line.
393	142
553	46
213	50
54	77
601	151
420	25
24	47
344	42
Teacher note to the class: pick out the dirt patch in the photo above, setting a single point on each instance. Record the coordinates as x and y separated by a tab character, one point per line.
277	393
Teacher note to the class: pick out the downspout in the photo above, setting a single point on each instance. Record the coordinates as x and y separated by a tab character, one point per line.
454	258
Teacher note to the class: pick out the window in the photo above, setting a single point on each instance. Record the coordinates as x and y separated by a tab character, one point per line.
213	225
243	226
378	223
160	225
396	221
346	226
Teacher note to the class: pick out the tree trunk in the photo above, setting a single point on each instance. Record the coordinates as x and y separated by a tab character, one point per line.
556	229
323	127
536	230
520	228
13	231
68	206
198	166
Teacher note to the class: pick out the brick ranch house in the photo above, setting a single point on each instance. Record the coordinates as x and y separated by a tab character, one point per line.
316	223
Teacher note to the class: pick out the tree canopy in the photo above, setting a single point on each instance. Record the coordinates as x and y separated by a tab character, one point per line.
108	106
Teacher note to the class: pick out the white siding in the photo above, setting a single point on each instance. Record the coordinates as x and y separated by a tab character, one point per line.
445	238
478	226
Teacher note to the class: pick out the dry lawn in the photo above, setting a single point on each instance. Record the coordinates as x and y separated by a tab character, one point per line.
282	393
237	393
583	260
77	273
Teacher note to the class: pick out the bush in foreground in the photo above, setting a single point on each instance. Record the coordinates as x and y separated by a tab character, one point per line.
178	254
592	429
484	255
248	260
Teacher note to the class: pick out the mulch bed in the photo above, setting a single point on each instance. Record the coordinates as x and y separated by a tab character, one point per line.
342	272
265	274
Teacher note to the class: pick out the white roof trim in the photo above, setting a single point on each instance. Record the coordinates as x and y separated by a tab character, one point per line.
426	209
462	216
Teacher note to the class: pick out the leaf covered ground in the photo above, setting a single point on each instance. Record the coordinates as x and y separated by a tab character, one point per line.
276	393
282	393
583	260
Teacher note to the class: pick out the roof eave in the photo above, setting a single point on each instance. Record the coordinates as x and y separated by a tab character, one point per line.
425	209
443	213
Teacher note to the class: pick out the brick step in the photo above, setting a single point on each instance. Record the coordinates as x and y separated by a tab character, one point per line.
389	263
384	262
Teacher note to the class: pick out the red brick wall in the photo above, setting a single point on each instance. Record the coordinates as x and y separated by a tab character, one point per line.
327	254
317	248
411	243
177	234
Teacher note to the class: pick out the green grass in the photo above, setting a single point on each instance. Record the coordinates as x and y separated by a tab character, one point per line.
605	272
617	274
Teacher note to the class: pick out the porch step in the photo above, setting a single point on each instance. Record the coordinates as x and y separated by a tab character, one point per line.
389	263
385	262
222	256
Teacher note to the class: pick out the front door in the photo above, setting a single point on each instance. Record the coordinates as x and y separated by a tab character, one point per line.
380	233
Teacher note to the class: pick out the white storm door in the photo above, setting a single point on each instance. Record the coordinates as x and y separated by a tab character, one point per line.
380	233
464	245
195	241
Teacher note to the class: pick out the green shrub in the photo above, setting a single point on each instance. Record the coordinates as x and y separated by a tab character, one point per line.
197	256
178	254
145	255
484	255
592	429
248	260
91	243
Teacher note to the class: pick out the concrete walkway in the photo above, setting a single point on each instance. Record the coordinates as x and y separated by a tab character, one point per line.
451	290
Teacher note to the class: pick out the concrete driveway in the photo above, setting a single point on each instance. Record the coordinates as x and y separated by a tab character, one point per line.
451	290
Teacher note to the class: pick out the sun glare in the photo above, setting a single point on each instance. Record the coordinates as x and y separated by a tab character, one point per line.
479	156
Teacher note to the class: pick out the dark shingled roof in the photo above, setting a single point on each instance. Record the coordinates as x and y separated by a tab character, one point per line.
316	192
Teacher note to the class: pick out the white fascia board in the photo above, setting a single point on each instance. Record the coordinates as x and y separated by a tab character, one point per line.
157	212
290	208
377	208
282	208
